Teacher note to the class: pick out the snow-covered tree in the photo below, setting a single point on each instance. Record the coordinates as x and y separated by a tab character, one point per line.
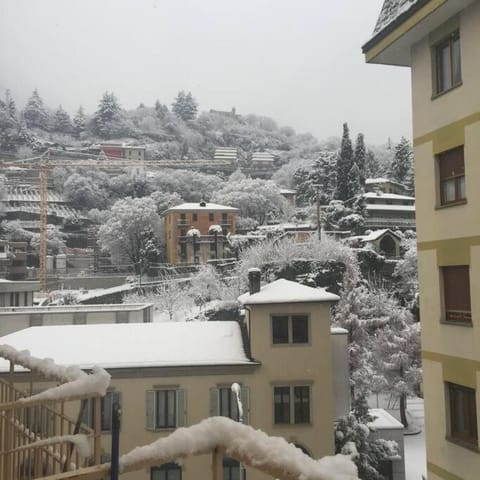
360	157
402	161
396	356
185	106
107	120
79	122
406	275
206	285
353	436
9	106
344	164
165	200
84	192
61	121
34	113
123	234
372	166
354	181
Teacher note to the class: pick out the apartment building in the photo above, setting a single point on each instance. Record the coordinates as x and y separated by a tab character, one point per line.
439	41
171	374
196	232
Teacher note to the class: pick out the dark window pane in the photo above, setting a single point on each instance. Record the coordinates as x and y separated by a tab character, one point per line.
445	68
463	413
194	217
451	166
302	404
166	409
299	329
228	404
106	409
457	75
456	287
168	471
210	217
232	469
279	329
281	398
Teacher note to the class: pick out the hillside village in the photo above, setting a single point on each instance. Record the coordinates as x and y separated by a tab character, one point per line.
194	294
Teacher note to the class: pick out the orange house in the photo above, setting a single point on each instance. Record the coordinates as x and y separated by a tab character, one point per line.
196	232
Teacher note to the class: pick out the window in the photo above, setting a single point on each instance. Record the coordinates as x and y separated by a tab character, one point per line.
291	404
165	409
451	169
194	217
183	218
447	63
224	218
289	329
456	294
223	402
79	318
232	469
168	471
210	217
463	413
106	409
121	317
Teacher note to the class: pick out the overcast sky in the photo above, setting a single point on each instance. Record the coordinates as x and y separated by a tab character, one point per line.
297	62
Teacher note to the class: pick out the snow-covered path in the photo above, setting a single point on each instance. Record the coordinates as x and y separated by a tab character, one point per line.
415	455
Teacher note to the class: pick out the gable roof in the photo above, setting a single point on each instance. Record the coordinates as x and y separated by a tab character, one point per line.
392	10
286	291
194	207
133	345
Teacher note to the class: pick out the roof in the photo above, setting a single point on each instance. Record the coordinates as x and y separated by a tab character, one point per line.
374	235
393	10
369	181
383	420
381	206
196	206
287	191
286	291
133	345
390	196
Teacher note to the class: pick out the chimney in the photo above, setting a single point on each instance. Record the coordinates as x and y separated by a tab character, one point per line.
254	275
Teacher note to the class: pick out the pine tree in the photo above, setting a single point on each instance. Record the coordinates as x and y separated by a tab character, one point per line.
79	121
354	181
372	166
61	121
107	116
402	161
344	164
360	157
34	113
185	106
10	108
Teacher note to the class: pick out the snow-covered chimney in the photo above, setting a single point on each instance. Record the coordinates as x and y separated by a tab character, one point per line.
254	280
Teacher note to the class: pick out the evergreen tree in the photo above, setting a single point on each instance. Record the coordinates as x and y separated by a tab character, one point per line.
108	116
34	113
354	181
360	157
79	121
185	106
344	164
372	166
61	121
402	161
10	108
353	435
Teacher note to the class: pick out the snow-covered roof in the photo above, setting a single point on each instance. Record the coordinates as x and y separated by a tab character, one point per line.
391	11
287	191
384	206
196	207
133	345
389	196
374	235
383	420
373	181
286	291
338	331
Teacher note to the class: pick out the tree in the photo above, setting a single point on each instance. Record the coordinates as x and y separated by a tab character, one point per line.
354	181
406	275
85	192
402	161
344	164
10	107
34	113
108	117
161	110
61	121
353	435
79	122
185	106
123	235
206	285
360	158
372	166
396	356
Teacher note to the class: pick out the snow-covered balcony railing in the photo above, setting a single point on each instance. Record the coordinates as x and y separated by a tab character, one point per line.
38	435
202	239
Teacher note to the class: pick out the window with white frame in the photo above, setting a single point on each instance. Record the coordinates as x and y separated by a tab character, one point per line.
165	408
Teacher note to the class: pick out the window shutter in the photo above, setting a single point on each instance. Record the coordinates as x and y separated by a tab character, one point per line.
245	399
117	398
214	402
150	410
181	408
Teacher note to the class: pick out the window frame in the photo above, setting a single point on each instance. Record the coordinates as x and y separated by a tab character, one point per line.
216	407
452	316
166	468
151	408
468	409
437	59
455	177
290	326
88	417
291	417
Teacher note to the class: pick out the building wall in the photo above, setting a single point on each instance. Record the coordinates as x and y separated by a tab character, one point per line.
447	236
174	226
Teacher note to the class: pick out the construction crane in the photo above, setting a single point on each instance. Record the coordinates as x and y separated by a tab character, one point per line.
44	163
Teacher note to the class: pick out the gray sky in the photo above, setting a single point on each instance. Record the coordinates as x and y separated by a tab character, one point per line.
297	62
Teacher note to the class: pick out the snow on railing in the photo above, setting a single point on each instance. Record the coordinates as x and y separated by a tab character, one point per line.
76	383
272	455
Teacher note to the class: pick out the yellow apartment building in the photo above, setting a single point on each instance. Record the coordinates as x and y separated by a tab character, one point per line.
196	232
171	374
440	40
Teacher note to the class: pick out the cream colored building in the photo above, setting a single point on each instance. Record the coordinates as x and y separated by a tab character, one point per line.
168	375
440	41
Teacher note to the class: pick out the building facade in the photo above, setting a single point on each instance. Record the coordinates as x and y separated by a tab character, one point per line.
196	232
171	374
439	40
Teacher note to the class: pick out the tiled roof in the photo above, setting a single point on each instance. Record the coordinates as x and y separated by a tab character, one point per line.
391	10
